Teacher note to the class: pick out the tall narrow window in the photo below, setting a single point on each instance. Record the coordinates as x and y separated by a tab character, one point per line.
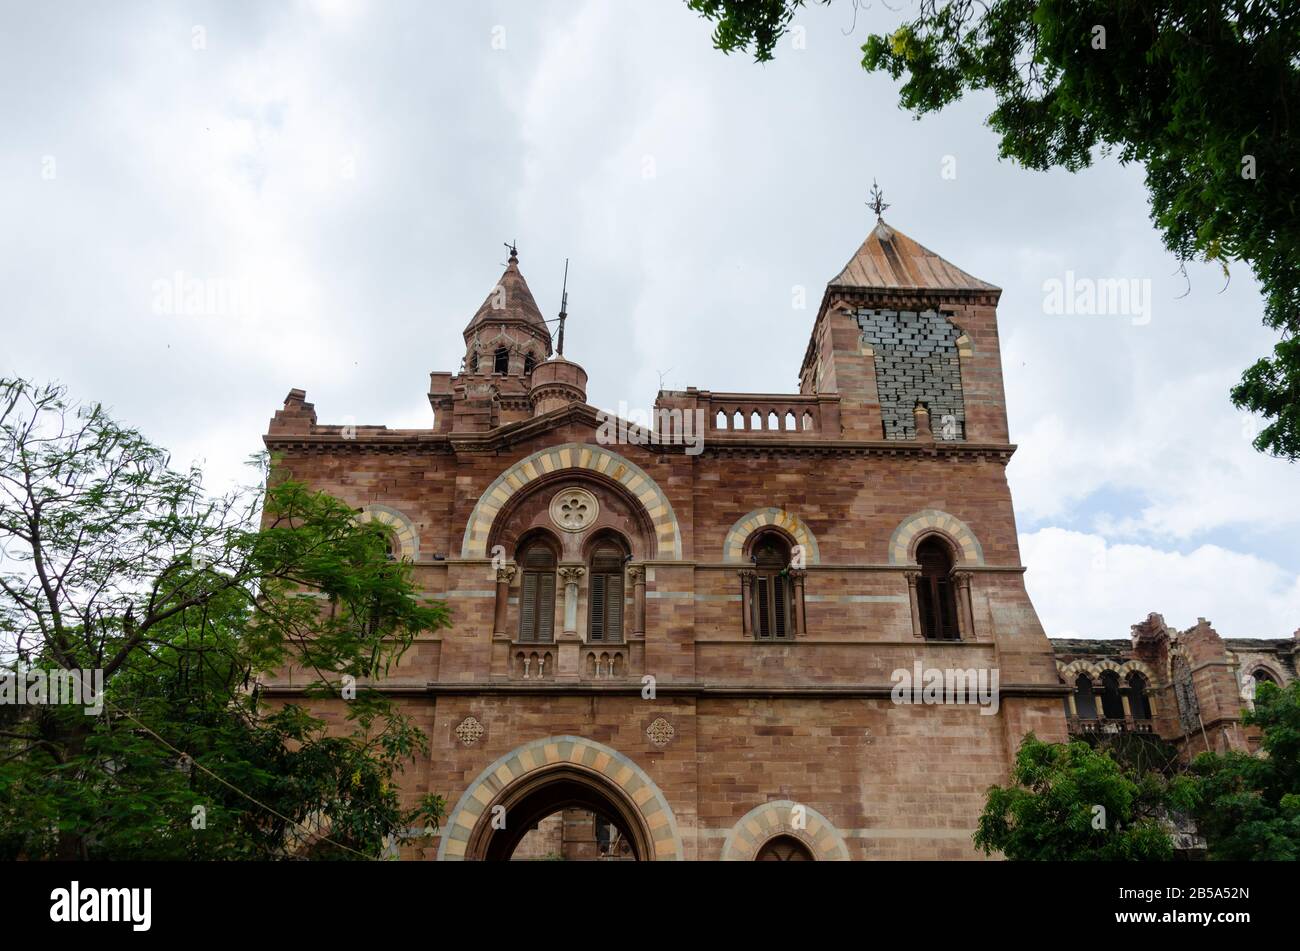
936	599
1112	705
1085	700
605	594
530	363
771	598
1137	697
537	595
501	360
473	362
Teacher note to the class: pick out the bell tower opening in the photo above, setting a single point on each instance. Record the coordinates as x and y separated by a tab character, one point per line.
508	332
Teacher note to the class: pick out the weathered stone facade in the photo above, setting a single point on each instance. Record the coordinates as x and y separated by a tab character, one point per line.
1186	687
735	701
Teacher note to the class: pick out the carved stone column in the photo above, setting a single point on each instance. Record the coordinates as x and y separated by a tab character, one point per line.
746	601
636	577
571	575
568	645
912	578
505	575
965	614
797	576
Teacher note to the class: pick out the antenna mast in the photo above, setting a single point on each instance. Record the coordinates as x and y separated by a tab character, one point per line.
564	307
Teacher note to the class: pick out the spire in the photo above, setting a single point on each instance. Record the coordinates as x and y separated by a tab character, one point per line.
510	300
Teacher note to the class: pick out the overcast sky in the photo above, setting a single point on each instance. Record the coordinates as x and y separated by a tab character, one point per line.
347	173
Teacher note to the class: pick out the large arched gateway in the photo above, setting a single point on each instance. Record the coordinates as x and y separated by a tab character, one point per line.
510	796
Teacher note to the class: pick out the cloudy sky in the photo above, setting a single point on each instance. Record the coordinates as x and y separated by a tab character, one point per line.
342	177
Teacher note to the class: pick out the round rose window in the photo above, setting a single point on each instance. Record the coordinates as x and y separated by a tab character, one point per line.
574	509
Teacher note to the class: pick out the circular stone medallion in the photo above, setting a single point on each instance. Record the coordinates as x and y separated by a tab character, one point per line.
574	509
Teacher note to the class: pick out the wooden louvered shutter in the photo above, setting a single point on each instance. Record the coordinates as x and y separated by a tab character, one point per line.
528	607
537	595
925	605
596	607
947	608
605	595
771	590
936	599
780	607
546	608
763	625
614	607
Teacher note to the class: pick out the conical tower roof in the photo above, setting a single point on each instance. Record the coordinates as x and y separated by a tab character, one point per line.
510	299
889	259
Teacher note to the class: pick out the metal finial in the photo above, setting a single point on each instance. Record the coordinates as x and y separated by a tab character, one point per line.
514	255
877	203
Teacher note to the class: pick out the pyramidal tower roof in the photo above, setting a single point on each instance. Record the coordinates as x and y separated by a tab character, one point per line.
510	299
889	259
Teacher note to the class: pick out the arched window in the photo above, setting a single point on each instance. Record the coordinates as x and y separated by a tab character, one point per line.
501	360
936	599
771	598
783	848
1262	676
1084	700
1137	696
1112	704
530	363
537	594
605	593
473	362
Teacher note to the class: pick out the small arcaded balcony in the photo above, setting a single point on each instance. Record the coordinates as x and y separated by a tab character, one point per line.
1081	726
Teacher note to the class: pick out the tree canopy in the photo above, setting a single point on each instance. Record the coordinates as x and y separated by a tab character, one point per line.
1071	802
1250	805
115	562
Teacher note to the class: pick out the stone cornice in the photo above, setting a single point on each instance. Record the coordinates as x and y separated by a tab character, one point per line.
681	689
731	566
397	440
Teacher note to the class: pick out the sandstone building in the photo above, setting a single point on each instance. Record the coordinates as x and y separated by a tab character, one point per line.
682	640
1187	688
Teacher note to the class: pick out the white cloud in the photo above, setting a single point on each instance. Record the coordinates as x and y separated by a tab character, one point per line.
1083	586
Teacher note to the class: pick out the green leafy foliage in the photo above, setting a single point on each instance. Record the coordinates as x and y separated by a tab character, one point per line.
114	561
1070	802
1201	93
1250	805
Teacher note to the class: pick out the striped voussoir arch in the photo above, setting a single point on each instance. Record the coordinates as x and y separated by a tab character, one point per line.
578	457
631	780
784	817
969	550
733	546
408	541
